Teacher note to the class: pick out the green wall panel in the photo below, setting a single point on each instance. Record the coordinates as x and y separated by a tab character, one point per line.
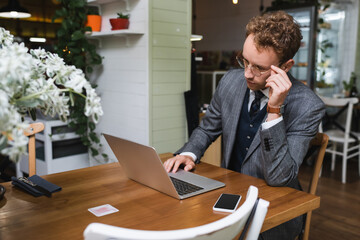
169	64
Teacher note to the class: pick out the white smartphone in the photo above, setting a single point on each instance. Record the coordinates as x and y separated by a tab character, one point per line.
227	202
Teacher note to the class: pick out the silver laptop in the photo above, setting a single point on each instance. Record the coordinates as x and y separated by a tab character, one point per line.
142	164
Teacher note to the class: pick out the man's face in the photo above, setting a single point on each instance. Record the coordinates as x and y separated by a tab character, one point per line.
261	59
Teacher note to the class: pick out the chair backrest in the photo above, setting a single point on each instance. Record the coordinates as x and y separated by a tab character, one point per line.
320	140
192	110
338	102
30	132
225	228
342	102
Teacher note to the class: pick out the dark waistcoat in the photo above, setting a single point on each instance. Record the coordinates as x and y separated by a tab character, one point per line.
246	130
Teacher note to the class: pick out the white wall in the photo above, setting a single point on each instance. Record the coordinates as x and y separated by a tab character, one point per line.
123	81
143	78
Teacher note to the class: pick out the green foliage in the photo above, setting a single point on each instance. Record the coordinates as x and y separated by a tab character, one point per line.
122	15
349	85
72	44
75	49
92	10
323	62
323	84
324	45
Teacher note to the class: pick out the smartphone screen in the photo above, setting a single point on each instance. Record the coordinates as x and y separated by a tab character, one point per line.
227	202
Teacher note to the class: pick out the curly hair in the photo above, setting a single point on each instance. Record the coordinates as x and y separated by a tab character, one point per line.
277	30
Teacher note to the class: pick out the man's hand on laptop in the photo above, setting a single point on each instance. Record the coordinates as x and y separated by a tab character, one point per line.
175	162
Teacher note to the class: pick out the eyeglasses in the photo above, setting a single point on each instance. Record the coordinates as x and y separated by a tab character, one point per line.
256	70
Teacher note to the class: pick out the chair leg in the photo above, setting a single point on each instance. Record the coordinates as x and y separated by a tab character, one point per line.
333	156
307	226
343	178
359	159
344	164
32	156
322	167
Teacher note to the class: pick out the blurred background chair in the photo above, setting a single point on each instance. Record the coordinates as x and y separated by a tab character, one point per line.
192	110
318	144
342	133
30	132
225	228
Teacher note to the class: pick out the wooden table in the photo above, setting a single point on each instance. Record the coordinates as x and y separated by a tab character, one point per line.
65	215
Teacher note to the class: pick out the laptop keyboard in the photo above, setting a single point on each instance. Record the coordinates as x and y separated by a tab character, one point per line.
184	187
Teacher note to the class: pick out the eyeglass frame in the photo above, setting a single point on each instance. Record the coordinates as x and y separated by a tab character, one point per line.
241	61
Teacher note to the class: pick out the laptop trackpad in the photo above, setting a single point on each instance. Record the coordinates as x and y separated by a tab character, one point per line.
196	179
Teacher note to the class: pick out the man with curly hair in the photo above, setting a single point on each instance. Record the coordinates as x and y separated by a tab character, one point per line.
266	117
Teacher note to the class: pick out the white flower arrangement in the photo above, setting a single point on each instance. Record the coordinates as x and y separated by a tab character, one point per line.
36	79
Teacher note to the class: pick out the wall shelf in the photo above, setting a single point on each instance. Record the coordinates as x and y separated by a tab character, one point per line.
126	33
98	2
114	33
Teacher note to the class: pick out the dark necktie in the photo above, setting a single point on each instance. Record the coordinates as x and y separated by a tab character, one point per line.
255	105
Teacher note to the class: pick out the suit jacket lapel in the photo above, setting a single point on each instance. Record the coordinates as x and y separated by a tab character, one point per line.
241	87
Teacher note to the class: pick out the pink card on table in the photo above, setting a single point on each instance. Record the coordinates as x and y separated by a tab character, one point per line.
103	210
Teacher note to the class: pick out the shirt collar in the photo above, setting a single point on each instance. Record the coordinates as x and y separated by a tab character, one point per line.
265	91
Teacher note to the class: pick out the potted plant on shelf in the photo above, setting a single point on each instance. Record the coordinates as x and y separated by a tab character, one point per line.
93	18
121	22
350	89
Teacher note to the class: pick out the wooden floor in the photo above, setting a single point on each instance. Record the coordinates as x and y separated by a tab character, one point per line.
339	214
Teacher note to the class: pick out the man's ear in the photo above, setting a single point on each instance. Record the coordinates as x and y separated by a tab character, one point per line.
288	65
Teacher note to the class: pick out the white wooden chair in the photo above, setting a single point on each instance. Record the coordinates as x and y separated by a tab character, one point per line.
225	228
343	136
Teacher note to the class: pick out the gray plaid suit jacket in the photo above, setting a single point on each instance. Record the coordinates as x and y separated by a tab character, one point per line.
275	153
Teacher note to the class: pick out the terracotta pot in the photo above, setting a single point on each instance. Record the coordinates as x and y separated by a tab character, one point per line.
94	21
119	23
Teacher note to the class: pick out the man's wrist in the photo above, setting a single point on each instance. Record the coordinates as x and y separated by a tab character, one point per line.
273	116
189	154
275	109
269	123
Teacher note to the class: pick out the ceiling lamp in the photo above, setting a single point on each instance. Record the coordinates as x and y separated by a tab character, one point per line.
14	10
195	37
37	39
235	1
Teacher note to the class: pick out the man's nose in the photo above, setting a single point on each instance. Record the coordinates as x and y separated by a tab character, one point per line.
248	72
